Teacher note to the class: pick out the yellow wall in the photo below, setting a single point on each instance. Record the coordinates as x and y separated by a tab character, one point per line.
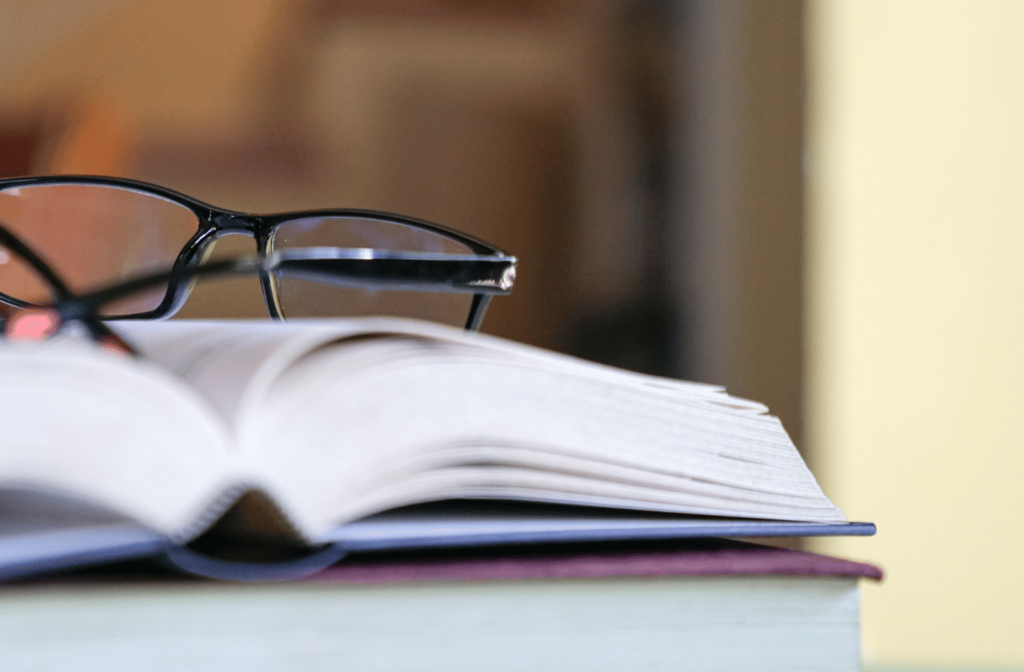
916	329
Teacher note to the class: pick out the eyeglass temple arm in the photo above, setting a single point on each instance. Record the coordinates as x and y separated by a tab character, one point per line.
14	244
99	331
390	270
415	271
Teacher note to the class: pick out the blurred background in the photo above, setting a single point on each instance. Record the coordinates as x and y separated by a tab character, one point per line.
815	203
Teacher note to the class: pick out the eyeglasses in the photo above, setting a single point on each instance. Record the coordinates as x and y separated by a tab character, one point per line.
417	271
99	231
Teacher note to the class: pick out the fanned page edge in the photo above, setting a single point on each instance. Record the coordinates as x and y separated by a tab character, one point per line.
205	367
304	390
254	354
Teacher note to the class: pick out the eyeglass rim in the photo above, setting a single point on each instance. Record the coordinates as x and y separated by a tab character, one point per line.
215	222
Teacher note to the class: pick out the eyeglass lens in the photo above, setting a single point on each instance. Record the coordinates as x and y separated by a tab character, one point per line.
299	297
93	235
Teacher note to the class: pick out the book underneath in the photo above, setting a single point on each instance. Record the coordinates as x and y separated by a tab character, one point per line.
695	605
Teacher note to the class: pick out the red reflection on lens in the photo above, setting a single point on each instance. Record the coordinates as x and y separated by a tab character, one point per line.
33	324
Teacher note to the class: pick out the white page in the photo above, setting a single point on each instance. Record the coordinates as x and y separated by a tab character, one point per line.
239	365
233	362
108	429
345	421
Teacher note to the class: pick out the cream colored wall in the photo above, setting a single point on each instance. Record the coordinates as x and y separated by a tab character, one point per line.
916	305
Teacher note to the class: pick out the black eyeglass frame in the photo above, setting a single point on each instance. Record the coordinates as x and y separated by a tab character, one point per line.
216	223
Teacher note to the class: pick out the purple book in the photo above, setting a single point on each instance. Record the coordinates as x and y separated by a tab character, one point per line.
714	557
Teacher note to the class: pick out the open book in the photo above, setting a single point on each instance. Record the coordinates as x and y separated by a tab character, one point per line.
295	433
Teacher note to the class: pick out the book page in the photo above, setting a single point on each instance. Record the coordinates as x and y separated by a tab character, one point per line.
332	425
348	431
121	433
229	361
232	363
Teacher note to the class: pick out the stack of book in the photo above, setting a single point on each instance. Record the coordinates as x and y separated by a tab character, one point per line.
453	501
697	605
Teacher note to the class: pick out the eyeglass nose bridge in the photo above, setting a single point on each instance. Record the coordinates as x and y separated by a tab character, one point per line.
217	224
228	223
221	224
